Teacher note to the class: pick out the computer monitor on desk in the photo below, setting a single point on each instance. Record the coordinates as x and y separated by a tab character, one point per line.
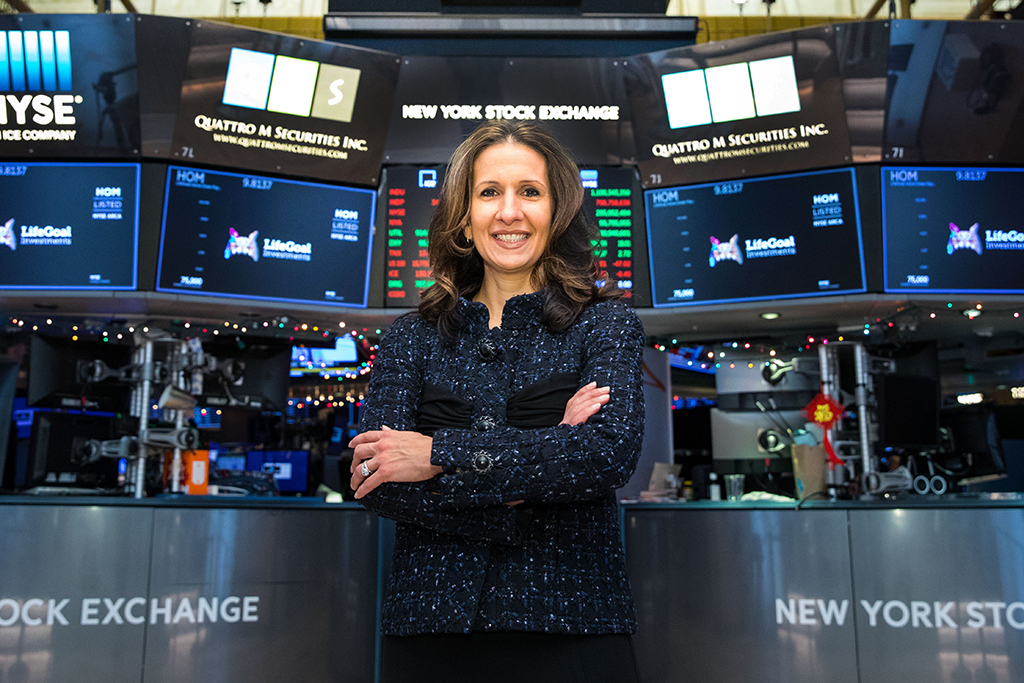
252	377
8	382
289	468
57	375
975	449
55	452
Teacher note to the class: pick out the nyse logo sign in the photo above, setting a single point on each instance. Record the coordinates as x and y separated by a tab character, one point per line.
286	85
731	92
30	62
35	60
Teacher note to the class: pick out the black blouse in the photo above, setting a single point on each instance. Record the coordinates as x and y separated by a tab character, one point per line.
541	404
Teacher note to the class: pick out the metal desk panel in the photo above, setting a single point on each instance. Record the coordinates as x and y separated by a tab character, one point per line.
906	561
314	574
54	553
707	582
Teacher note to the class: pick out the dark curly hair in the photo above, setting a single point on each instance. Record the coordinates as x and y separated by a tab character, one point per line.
567	270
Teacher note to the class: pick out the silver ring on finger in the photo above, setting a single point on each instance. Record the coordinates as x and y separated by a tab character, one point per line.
364	469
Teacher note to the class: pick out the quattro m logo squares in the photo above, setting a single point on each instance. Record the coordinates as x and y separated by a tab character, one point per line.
287	85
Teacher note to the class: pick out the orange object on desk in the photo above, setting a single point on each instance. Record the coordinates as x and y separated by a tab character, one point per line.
195	471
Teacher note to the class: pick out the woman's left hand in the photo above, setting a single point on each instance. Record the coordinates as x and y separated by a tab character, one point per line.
390	455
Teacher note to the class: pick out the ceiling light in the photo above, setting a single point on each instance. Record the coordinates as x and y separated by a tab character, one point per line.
771	315
972	313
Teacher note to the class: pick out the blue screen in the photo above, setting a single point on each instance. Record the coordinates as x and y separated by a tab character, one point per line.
779	237
231	462
950	230
227	234
319	361
290	468
69	226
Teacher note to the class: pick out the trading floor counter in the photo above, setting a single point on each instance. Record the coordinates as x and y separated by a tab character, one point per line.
205	589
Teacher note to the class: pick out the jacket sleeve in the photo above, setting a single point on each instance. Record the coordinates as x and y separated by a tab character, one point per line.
561	463
393	395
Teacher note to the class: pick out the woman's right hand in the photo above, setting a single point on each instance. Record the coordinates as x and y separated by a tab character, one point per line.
585	403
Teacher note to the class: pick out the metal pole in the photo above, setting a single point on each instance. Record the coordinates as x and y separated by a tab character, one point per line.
179	418
862	363
874	9
146	397
829	387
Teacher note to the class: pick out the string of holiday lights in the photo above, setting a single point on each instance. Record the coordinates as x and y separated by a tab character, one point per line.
902	324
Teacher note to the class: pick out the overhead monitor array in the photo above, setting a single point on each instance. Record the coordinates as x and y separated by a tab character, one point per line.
276	147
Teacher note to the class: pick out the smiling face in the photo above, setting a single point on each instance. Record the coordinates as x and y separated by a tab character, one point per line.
510	211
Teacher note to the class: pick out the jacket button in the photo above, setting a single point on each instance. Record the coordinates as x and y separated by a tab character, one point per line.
482	461
484	423
487	349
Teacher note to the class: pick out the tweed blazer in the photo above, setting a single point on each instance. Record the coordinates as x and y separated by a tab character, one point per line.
465	560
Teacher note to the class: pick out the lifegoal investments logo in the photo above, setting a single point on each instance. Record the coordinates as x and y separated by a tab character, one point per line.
286	85
32	64
731	92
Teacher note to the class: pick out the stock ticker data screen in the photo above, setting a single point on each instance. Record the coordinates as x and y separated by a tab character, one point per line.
952	230
409	197
609	196
411	194
777	237
235	235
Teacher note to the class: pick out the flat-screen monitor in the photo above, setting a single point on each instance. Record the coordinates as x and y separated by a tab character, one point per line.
75	77
610	202
275	103
231	461
8	429
734	434
325	361
410	195
786	236
55	452
951	91
289	468
69	226
974	440
439	101
252	377
953	230
762	104
908	412
57	378
254	237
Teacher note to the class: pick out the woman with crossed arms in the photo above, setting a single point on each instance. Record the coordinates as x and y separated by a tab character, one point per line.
500	419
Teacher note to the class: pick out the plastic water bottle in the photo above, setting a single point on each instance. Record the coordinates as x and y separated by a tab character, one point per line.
714	488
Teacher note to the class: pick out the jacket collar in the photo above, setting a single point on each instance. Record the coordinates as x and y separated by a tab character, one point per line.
520	311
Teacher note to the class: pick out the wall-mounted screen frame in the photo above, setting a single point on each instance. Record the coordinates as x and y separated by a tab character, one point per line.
952	230
69	226
246	236
778	237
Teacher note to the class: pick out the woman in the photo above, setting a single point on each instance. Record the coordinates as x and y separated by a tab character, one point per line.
499	421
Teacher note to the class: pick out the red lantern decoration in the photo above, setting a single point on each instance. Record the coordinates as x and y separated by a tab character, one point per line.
825	412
